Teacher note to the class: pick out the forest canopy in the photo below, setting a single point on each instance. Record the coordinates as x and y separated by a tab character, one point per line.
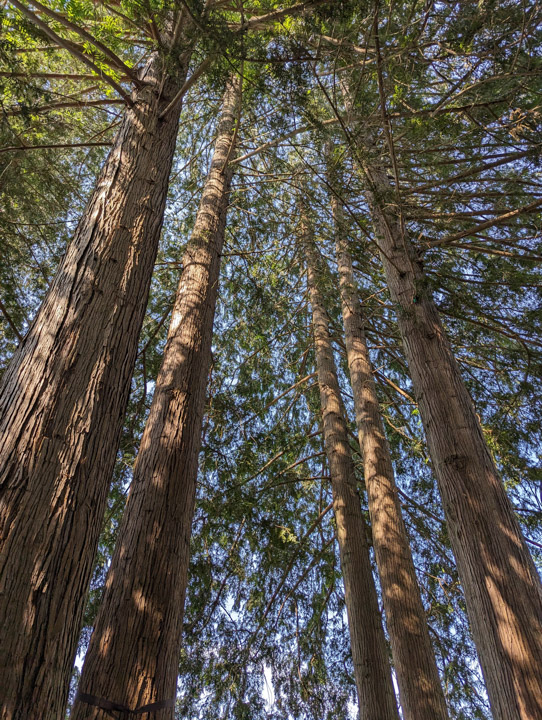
270	352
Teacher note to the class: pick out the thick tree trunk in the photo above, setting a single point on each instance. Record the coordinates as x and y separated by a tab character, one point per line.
417	675
372	672
502	588
133	655
62	403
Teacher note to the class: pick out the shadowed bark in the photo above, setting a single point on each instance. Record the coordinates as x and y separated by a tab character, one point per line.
376	697
133	655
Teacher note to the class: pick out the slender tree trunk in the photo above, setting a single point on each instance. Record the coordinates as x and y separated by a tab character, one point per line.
501	585
62	403
372	672
417	675
133	655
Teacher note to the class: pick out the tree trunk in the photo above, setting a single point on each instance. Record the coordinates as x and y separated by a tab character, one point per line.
417	675
133	655
372	672
501	585
62	404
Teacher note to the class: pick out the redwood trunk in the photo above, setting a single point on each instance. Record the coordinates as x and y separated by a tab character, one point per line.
134	651
376	697
417	675
62	403
501	585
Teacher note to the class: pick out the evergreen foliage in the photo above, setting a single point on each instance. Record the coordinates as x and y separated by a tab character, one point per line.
450	94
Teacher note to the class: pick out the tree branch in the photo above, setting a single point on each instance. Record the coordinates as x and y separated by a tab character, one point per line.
73	49
10	322
259	21
198	72
117	62
67	104
16	148
487	224
468	173
278	141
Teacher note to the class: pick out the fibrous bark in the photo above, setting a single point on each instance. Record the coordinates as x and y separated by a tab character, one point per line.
62	403
133	655
376	697
420	690
501	585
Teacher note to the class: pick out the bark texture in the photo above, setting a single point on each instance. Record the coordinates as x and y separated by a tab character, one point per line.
372	671
501	585
417	675
133	655
62	403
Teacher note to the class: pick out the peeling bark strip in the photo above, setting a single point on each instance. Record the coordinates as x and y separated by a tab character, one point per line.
501	585
376	697
417	675
62	403
133	655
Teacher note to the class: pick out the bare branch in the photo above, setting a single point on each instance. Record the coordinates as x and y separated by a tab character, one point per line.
16	148
67	104
278	141
487	224
198	72
10	322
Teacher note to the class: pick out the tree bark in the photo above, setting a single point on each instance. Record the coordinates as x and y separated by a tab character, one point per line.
376	697
501	585
133	655
62	403
420	690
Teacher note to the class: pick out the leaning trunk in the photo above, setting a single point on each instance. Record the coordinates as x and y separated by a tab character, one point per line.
372	672
132	660
62	404
502	588
417	675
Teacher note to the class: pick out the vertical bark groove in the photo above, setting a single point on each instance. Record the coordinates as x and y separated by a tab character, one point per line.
133	654
372	671
62	402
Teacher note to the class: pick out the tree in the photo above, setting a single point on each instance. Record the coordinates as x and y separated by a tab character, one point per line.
445	103
485	535
132	660
63	399
64	394
376	697
415	666
496	569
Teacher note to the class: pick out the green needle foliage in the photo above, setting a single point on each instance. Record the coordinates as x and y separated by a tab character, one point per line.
450	95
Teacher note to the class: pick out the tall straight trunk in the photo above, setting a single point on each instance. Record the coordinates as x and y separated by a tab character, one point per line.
134	651
501	585
420	690
62	403
376	697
